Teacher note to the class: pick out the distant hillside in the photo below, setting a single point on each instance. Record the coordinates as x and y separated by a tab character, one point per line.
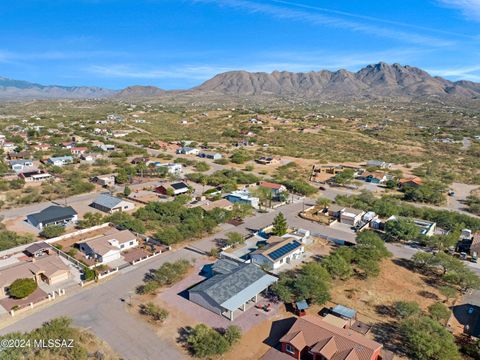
373	81
11	89
379	80
139	91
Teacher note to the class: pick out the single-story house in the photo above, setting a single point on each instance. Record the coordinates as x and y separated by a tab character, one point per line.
427	228
110	204
50	269
312	337
475	246
19	165
376	177
108	248
140	160
18	155
335	210
351	216
276	189
41	147
278	252
379	163
68	144
231	287
107	147
53	215
78	150
410	182
38	249
60	160
266	160
243	197
104	180
172	168
188	151
8	146
217	204
210	155
175	189
35	175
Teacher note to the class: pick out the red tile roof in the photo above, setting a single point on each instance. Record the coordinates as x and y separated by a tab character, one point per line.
270	185
330	341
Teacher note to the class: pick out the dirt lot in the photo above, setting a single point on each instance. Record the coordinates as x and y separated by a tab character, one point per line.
395	283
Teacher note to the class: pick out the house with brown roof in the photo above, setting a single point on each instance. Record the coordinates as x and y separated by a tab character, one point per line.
276	189
313	338
108	248
278	252
50	269
412	181
217	204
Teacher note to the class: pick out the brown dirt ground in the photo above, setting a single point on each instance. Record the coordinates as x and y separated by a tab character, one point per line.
395	283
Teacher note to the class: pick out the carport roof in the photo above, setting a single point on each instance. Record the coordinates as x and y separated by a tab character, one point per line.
233	288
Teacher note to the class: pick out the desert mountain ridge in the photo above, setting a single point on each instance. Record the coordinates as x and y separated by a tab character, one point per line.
373	81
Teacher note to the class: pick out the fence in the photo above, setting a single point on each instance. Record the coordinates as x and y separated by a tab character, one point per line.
76	233
31	305
145	258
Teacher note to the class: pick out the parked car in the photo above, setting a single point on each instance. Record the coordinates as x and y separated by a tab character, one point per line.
322	188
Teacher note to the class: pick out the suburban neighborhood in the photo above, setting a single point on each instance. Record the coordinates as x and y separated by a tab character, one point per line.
240	180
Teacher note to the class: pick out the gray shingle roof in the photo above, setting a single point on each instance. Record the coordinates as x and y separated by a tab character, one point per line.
51	214
107	201
222	287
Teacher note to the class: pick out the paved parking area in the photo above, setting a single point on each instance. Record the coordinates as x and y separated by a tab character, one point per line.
176	297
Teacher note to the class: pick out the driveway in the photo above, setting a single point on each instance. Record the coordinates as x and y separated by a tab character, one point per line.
100	309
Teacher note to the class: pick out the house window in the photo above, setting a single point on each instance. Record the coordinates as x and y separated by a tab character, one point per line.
122	246
131	243
290	349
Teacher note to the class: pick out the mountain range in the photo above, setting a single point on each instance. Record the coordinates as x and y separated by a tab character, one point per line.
373	81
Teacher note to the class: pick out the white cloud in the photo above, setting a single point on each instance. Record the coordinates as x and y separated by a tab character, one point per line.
469	8
459	73
197	72
288	13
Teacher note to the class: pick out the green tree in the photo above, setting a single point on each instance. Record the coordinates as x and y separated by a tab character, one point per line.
439	312
313	284
90	219
51	231
323	202
427	339
345	177
234	238
402	229
448	291
207	342
406	309
21	288
338	267
154	311
280	225
233	334
127	191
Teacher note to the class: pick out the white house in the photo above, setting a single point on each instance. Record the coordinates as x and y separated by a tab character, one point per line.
108	248
110	204
60	160
243	197
351	216
107	147
20	165
172	168
278	252
188	151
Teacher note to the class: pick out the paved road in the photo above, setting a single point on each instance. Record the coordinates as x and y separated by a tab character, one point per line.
100	309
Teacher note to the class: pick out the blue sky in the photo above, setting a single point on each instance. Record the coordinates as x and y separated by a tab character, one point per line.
180	43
